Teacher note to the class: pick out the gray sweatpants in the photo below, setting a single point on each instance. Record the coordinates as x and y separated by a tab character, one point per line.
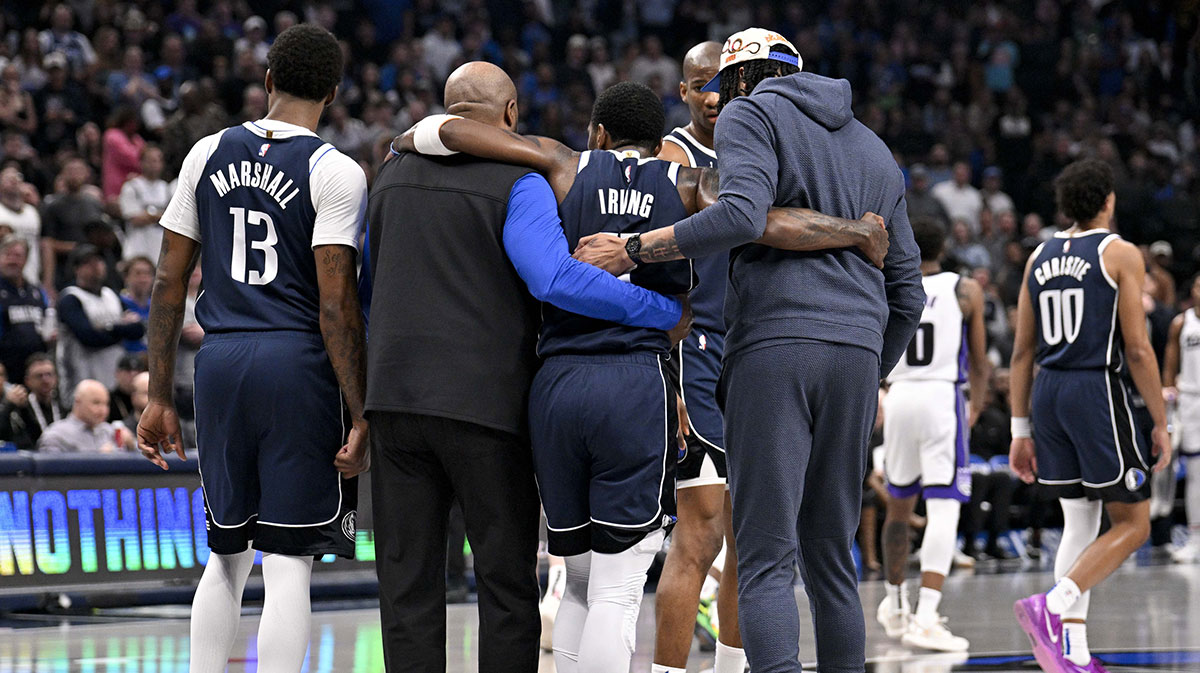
798	416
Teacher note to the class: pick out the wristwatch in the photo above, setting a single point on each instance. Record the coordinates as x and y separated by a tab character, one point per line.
633	246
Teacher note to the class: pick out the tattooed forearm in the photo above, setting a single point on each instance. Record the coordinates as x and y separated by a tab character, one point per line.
660	246
895	550
802	229
177	258
342	326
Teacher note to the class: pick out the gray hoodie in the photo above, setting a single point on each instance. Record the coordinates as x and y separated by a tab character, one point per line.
795	142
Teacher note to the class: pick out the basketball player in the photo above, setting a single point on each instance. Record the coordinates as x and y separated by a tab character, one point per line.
1181	378
277	213
600	408
925	433
1080	317
702	540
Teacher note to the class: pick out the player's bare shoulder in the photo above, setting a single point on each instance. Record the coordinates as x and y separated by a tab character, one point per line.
1121	257
970	295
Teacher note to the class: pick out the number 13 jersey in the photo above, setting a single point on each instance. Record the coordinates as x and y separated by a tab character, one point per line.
258	198
938	350
1074	303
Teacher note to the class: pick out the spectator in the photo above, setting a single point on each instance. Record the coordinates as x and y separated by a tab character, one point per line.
23	306
992	485
61	36
1004	229
121	395
26	411
143	198
29	60
959	198
254	104
600	68
254	39
18	214
939	165
1159	260
197	117
61	106
138	276
131	85
653	67
139	399
85	430
441	49
93	323
967	250
347	134
920	202
17	111
994	199
63	223
122	149
1033	232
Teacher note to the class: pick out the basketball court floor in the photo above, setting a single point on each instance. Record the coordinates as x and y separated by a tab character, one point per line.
1146	618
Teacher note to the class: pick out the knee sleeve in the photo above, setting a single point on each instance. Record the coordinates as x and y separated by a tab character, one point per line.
572	612
941	535
1081	525
614	600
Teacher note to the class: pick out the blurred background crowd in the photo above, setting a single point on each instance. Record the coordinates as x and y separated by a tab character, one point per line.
983	103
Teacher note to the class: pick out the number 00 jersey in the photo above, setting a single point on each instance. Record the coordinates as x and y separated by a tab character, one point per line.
1074	303
259	197
938	351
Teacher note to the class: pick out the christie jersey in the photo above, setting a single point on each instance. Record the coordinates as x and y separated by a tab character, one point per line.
618	193
938	350
258	198
708	299
1074	303
1188	380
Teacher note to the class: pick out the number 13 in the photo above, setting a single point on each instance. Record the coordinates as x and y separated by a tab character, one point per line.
237	267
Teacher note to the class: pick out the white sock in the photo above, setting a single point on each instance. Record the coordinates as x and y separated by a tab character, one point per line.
659	668
216	609
1191	497
556	580
1062	596
1075	645
285	627
927	604
729	659
572	613
1081	525
708	590
897	596
941	535
614	599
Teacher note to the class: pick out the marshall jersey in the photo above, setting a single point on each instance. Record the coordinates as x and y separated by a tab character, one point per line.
259	197
708	299
618	193
1188	380
938	350
1074	303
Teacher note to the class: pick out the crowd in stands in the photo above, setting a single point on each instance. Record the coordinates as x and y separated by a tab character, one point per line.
983	103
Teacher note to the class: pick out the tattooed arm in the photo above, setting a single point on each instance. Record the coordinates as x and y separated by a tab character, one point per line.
345	339
159	424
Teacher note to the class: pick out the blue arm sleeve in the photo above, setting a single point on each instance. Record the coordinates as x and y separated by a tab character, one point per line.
745	142
902	283
537	248
71	314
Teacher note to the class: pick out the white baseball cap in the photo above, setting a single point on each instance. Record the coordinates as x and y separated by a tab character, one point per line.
752	44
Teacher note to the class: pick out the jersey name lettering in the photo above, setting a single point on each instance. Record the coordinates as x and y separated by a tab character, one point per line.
625	202
1054	267
255	174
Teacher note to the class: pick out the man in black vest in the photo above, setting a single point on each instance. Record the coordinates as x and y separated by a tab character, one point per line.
462	251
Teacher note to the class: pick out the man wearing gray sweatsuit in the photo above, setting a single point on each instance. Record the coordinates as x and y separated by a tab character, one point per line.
810	336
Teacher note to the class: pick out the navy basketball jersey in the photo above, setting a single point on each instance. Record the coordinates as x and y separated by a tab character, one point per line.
618	193
708	299
1074	303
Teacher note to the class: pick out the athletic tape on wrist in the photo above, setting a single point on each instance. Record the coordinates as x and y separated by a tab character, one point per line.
1021	428
426	138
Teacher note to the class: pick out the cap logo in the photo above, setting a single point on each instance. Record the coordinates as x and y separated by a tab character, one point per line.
735	45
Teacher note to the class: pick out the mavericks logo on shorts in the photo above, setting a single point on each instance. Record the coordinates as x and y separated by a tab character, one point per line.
1134	479
348	522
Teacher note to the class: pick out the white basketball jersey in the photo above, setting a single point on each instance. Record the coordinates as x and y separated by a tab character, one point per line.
1188	380
938	351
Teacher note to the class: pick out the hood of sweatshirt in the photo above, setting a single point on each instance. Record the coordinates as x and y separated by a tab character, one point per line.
824	100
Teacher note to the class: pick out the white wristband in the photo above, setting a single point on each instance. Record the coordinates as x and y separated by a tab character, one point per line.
426	139
1020	428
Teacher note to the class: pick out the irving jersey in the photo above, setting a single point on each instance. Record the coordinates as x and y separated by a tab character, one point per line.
708	299
618	193
1074	303
938	350
258	198
1188	380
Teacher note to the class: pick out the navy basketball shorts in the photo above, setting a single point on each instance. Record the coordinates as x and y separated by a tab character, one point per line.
269	423
925	441
603	450
1086	437
694	370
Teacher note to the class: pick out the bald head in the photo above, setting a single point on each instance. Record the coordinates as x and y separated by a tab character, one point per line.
91	402
703	57
483	92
